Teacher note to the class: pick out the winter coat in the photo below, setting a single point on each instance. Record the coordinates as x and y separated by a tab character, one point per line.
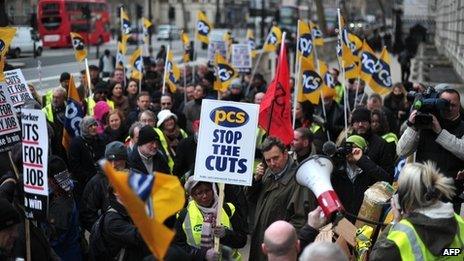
159	162
282	199
192	112
351	193
380	152
185	156
94	200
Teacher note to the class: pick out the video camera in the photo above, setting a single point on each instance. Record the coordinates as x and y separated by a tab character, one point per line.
337	154
426	104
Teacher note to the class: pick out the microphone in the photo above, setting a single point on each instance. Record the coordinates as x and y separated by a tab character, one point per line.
329	148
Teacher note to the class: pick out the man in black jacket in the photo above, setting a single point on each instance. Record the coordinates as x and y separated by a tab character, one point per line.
94	200
146	157
353	176
378	150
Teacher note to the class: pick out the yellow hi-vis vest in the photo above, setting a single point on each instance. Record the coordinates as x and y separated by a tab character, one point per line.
411	246
390	137
164	143
193	222
314	128
91	104
48	112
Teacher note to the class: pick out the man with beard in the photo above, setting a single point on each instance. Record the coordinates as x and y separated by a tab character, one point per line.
378	151
442	143
55	113
193	107
302	145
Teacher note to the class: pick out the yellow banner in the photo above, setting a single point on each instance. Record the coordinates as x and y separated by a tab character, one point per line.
305	41
172	72
225	73
6	36
203	27
136	63
146	24
80	50
318	37
125	23
273	39
250	38
311	81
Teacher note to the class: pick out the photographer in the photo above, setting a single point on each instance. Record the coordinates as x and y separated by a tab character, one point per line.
441	141
355	173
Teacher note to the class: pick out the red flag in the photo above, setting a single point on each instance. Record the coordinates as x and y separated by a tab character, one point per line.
275	109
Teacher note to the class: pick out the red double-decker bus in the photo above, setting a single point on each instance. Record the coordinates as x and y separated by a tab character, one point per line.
57	18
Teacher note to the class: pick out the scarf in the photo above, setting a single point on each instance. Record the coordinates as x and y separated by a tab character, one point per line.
172	137
209	222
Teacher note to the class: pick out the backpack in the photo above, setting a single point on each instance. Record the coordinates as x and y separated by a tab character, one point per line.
97	242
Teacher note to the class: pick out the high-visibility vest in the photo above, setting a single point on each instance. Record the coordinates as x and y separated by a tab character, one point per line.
193	223
340	91
164	143
48	112
314	128
411	246
91	104
48	97
390	137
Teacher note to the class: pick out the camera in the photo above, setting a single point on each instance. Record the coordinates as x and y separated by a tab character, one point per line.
337	154
426	104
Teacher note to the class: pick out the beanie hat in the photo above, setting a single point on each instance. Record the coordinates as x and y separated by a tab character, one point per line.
236	83
146	134
361	114
8	215
357	140
101	87
190	184
115	151
65	76
164	115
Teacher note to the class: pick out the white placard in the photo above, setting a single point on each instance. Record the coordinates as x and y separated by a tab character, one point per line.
241	56
216	46
35	162
10	130
226	142
17	86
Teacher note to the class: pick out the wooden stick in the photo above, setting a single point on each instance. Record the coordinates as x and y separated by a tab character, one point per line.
218	215
164	72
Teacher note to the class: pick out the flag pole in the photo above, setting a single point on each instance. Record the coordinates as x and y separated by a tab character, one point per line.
296	73
122	37
324	112
256	65
141	72
87	73
195	47
342	65
164	72
39	71
185	82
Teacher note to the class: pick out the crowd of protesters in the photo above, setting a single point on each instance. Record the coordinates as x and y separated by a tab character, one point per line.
135	125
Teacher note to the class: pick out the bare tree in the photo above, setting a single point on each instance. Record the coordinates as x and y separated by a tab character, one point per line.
321	16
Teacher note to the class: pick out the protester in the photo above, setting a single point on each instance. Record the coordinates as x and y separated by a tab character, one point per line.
374	102
143	103
423	224
100	94
186	152
94	200
132	91
64	82
116	129
302	144
145	156
55	114
196	227
131	141
9	221
276	194
442	142
94	72
319	251
305	118
380	127
120	101
107	63
397	103
378	150
235	91
148	117
167	103
118	76
281	242
193	107
84	152
355	174
258	97
308	233
334	115
37	97
100	114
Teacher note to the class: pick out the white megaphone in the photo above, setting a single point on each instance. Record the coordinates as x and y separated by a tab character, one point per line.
314	173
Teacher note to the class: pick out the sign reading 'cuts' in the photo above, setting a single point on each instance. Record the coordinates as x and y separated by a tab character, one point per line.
10	131
17	86
226	142
35	163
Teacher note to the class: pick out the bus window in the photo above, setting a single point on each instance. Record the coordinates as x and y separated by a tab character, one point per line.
51	22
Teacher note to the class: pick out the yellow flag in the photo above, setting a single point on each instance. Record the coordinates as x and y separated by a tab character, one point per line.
328	80
146	25
80	50
318	37
355	43
250	38
172	72
310	83
368	61
6	35
186	43
381	81
203	27
149	200
225	73
273	39
122	49
125	23
136	62
305	41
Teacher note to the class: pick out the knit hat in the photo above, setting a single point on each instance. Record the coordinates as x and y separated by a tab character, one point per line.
93	67
101	87
236	83
146	134
190	184
86	122
65	77
357	140
164	115
8	215
361	114
115	151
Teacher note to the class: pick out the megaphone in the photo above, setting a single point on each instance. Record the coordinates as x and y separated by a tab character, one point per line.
314	173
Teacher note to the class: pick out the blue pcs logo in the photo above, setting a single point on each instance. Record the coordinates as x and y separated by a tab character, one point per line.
229	116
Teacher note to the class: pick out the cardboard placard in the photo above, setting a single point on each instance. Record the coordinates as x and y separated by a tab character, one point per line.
10	131
226	142
241	56
17	87
216	46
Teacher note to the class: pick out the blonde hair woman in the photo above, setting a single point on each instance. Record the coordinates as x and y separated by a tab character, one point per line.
424	225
